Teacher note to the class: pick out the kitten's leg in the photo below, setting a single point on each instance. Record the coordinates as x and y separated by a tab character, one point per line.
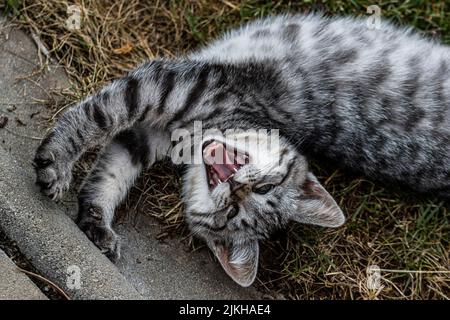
95	121
160	92
110	180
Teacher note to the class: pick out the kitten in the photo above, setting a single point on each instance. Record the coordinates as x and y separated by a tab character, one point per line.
376	101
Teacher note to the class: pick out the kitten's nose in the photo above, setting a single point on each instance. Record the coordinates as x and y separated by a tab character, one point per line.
239	190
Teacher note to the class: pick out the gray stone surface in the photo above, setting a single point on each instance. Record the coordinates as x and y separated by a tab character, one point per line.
14	285
45	231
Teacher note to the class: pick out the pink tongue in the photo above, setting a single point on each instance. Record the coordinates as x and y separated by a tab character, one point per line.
218	158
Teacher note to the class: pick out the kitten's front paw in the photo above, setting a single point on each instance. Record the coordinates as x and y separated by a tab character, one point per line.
53	176
101	235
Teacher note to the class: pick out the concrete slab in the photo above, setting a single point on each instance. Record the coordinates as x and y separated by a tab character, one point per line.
14	285
45	232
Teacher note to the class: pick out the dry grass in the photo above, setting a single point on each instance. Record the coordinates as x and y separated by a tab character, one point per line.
406	236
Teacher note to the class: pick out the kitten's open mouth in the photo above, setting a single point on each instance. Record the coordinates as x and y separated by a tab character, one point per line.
221	161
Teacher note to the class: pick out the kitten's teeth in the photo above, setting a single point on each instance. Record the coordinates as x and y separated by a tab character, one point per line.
215	179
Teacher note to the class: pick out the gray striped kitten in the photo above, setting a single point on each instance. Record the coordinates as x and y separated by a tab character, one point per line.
376	101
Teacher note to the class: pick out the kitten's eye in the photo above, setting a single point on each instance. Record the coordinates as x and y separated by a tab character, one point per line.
263	189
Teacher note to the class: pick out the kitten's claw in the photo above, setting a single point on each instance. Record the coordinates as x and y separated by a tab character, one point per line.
104	237
52	176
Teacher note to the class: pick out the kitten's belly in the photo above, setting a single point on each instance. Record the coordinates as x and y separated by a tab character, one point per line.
241	49
419	159
258	41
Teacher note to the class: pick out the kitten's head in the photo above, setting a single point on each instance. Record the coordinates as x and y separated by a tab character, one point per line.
248	185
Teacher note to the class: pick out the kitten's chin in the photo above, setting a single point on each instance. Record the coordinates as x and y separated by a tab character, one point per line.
221	162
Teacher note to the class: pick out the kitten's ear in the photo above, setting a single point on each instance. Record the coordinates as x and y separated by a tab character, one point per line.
240	261
317	206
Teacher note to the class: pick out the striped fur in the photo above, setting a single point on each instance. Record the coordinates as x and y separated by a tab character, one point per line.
376	101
